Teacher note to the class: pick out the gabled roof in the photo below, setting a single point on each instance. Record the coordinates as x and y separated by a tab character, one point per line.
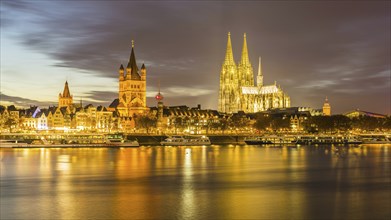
101	108
52	109
63	110
11	108
88	106
114	104
2	109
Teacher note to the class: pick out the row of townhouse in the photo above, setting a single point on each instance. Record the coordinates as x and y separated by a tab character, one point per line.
59	118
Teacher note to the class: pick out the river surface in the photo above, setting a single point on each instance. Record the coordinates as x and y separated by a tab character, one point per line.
216	182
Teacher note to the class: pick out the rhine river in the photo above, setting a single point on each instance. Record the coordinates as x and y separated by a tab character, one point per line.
215	182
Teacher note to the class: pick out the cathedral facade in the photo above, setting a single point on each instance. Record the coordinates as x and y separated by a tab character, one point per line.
132	88
238	91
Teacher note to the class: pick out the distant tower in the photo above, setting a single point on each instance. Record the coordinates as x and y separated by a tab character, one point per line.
132	88
326	107
159	98
65	99
260	75
229	82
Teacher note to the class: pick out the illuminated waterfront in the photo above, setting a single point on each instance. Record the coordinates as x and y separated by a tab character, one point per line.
216	182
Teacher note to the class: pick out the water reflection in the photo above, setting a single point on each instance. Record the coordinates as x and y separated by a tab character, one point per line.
216	182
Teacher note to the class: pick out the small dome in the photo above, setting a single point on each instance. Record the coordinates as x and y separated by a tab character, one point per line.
159	97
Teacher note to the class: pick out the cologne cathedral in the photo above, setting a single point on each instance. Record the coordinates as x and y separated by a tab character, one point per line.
238	91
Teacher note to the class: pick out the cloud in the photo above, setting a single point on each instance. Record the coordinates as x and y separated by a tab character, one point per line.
312	49
22	102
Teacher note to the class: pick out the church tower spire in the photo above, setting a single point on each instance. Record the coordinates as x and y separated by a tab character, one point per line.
260	75
132	67
245	59
245	70
229	57
66	93
65	99
229	82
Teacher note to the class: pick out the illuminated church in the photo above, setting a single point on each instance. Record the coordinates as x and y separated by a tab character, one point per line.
132	88
238	91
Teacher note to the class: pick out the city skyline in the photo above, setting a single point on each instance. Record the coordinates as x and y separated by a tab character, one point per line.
313	49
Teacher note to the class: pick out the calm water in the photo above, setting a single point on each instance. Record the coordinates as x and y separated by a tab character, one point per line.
217	182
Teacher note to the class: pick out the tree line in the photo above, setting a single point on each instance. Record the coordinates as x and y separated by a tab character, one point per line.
332	123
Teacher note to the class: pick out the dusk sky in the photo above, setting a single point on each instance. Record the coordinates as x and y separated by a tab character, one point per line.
313	49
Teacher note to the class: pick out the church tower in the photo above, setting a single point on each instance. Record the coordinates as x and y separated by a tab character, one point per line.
246	76
260	75
65	99
326	108
132	88
245	70
229	94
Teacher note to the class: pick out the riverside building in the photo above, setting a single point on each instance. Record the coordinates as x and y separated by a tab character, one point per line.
238	91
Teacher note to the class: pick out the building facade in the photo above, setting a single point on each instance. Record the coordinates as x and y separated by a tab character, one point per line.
132	88
238	91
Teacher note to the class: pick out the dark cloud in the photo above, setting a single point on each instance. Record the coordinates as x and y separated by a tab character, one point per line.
313	49
100	98
23	102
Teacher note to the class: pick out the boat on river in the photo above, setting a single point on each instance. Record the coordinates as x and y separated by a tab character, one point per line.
186	141
376	138
270	139
302	139
327	139
66	141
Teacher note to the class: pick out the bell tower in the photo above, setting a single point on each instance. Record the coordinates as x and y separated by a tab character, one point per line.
65	99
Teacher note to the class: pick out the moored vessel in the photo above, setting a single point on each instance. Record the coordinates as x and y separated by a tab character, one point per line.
327	139
186	141
270	139
66	141
376	138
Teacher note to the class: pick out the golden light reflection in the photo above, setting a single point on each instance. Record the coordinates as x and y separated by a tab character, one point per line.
215	182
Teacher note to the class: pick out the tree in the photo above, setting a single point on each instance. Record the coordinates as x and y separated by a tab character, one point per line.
224	124
146	122
239	121
10	123
262	122
340	122
280	123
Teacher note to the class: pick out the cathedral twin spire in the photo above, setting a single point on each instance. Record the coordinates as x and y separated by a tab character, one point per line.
245	60
237	90
233	77
229	57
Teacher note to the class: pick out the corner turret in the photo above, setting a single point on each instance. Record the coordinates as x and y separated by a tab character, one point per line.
143	72
121	73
